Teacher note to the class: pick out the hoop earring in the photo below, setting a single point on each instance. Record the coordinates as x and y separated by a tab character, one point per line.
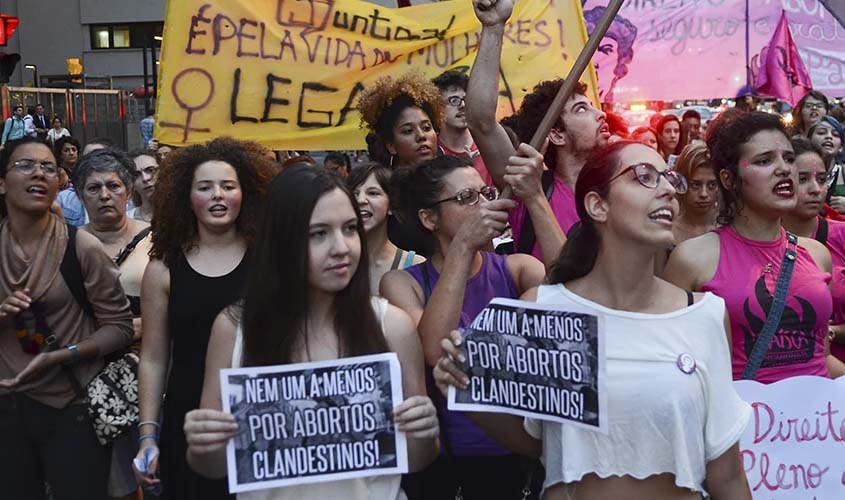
392	157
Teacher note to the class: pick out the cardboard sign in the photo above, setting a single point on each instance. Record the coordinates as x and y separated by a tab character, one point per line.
314	422
288	73
794	446
535	360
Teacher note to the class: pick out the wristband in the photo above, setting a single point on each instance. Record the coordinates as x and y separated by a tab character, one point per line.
149	422
154	437
74	352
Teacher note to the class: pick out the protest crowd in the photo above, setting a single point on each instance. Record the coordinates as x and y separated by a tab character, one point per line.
131	279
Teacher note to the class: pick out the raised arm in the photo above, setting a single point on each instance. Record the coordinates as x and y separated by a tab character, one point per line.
483	89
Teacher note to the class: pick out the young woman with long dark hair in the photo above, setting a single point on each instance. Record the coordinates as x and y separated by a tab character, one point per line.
206	203
805	221
448	200
370	184
670	137
741	260
308	299
49	323
673	427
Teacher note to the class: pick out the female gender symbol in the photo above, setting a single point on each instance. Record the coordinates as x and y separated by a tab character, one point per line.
686	363
186	127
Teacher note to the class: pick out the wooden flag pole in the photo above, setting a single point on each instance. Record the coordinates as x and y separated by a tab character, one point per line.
572	79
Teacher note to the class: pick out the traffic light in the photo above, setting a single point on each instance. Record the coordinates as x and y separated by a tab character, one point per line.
8	24
7	65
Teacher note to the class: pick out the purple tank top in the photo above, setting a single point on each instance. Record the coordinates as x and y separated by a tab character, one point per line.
745	278
464	438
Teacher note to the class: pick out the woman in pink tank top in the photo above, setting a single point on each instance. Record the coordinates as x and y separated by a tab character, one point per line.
741	260
805	221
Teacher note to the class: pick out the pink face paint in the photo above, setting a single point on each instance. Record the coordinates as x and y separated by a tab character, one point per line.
744	163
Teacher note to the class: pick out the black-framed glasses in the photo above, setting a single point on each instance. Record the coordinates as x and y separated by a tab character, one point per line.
648	175
456	101
27	167
471	196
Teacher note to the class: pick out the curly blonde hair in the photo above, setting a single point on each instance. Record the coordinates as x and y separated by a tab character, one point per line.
381	104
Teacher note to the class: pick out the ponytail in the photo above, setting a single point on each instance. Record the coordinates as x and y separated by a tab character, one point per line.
578	256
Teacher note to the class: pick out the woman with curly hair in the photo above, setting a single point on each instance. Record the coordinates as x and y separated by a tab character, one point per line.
206	204
403	116
741	261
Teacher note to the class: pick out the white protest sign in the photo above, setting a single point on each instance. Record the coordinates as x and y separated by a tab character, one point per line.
794	445
535	360
313	422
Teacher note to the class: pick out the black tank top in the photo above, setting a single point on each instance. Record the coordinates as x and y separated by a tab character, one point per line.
195	301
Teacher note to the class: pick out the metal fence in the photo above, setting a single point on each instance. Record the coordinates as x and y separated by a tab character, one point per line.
87	113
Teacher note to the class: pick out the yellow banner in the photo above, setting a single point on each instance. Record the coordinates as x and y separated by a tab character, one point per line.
287	73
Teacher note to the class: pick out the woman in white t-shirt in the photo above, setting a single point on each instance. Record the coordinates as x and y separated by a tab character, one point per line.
674	418
308	299
56	131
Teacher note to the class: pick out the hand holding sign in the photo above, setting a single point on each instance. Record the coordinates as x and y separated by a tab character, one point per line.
208	431
446	371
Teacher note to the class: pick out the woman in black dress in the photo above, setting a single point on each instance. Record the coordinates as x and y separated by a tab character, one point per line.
206	205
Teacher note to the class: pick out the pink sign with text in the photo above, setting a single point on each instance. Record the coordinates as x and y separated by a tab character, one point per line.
695	49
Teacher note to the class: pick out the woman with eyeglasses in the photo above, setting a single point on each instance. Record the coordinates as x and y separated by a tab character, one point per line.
62	309
103	179
807	222
698	206
146	164
447	199
741	260
674	418
808	111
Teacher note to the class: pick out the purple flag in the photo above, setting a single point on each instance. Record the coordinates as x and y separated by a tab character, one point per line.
782	73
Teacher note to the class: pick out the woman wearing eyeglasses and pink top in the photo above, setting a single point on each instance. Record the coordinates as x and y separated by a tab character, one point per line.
447	199
741	260
674	418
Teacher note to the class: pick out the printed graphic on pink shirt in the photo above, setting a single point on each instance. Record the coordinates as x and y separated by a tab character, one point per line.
794	341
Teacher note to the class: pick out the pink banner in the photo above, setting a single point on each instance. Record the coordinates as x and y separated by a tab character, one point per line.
695	49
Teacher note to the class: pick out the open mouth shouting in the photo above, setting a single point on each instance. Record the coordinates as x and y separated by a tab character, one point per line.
784	189
37	190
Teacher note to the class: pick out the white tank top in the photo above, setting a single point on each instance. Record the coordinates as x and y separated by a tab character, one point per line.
661	419
374	488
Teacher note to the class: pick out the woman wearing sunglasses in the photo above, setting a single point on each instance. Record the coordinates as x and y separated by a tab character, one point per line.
674	419
447	199
742	260
51	323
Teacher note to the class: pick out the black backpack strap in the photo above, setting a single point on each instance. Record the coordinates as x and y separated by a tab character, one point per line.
127	250
528	238
821	232
72	273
